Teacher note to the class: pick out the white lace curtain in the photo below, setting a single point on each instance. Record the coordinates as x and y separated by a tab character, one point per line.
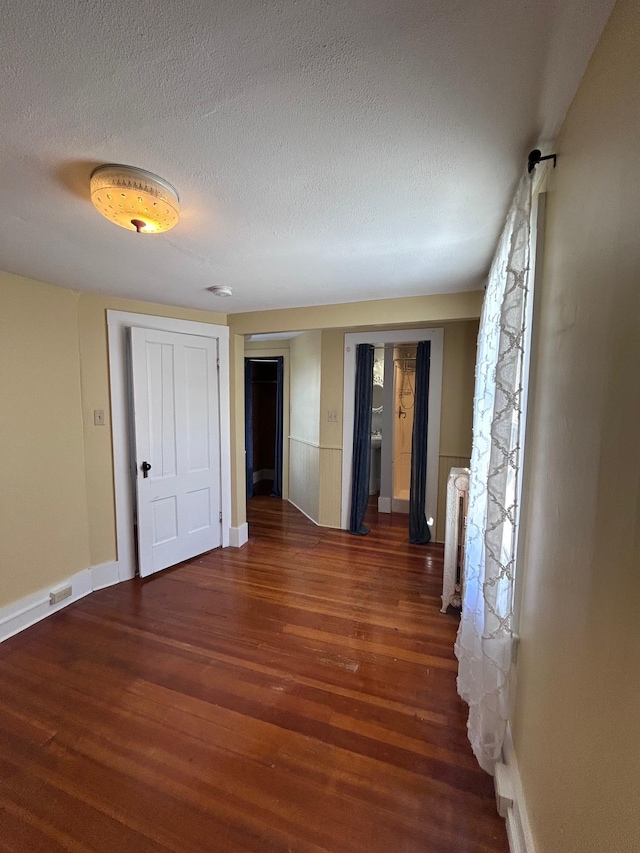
485	636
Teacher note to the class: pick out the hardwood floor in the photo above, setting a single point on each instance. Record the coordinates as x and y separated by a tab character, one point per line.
296	695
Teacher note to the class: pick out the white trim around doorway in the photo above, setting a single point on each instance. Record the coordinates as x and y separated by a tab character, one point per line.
265	354
399	336
117	324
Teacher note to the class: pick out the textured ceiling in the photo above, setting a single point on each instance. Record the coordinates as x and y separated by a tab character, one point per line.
323	151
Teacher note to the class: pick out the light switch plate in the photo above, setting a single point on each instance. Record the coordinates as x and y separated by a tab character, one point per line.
98	417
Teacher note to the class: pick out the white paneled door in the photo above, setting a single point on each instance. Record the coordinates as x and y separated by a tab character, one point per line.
177	446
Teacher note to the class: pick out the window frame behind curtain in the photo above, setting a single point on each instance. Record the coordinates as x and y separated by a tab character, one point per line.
532	313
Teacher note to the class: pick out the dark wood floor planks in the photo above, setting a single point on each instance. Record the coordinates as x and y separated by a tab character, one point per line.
297	694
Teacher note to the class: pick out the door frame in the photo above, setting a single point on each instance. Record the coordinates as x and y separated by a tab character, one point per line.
391	336
263	354
117	324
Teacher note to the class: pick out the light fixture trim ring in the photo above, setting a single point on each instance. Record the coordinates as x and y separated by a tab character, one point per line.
113	189
140	174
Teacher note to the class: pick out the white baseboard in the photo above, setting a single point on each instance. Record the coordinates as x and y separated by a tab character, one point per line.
400	505
238	536
106	574
384	504
306	514
510	800
33	608
263	474
27	611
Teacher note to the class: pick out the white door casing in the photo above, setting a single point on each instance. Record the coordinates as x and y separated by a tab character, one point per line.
176	425
389	336
118	324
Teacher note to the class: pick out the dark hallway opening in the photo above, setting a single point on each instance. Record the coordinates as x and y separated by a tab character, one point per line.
264	381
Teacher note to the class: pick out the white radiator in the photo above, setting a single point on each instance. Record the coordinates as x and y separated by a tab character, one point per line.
454	537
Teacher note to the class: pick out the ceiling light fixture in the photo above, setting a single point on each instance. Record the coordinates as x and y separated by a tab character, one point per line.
134	199
220	290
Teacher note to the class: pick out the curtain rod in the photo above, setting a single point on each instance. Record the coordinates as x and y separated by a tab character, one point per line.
403	345
536	157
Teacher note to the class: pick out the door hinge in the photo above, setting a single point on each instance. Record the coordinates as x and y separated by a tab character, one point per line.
220	517
218	363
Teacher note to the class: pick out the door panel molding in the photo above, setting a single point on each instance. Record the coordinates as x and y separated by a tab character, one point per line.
118	322
176	422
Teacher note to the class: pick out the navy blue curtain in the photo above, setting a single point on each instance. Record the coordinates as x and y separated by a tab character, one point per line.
276	491
361	439
419	533
248	424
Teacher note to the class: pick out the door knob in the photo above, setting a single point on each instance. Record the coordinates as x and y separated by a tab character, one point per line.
145	469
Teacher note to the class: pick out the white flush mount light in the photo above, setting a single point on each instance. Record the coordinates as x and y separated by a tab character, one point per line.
220	290
134	199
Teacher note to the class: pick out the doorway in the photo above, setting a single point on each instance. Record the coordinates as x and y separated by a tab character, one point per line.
118	322
404	387
264	434
392	427
377	423
397	397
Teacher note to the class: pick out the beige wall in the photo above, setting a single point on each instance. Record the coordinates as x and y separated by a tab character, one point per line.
334	321
304	440
457	398
57	479
458	380
458	372
238	458
577	704
331	387
330	460
405	312
43	513
305	386
92	325
64	358
456	423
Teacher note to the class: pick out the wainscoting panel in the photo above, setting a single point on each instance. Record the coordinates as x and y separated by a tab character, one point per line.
446	464
304	477
330	486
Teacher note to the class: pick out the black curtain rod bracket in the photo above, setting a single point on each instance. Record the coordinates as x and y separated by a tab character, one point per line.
536	157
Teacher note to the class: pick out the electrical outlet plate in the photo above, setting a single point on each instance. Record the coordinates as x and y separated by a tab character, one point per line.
59	595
